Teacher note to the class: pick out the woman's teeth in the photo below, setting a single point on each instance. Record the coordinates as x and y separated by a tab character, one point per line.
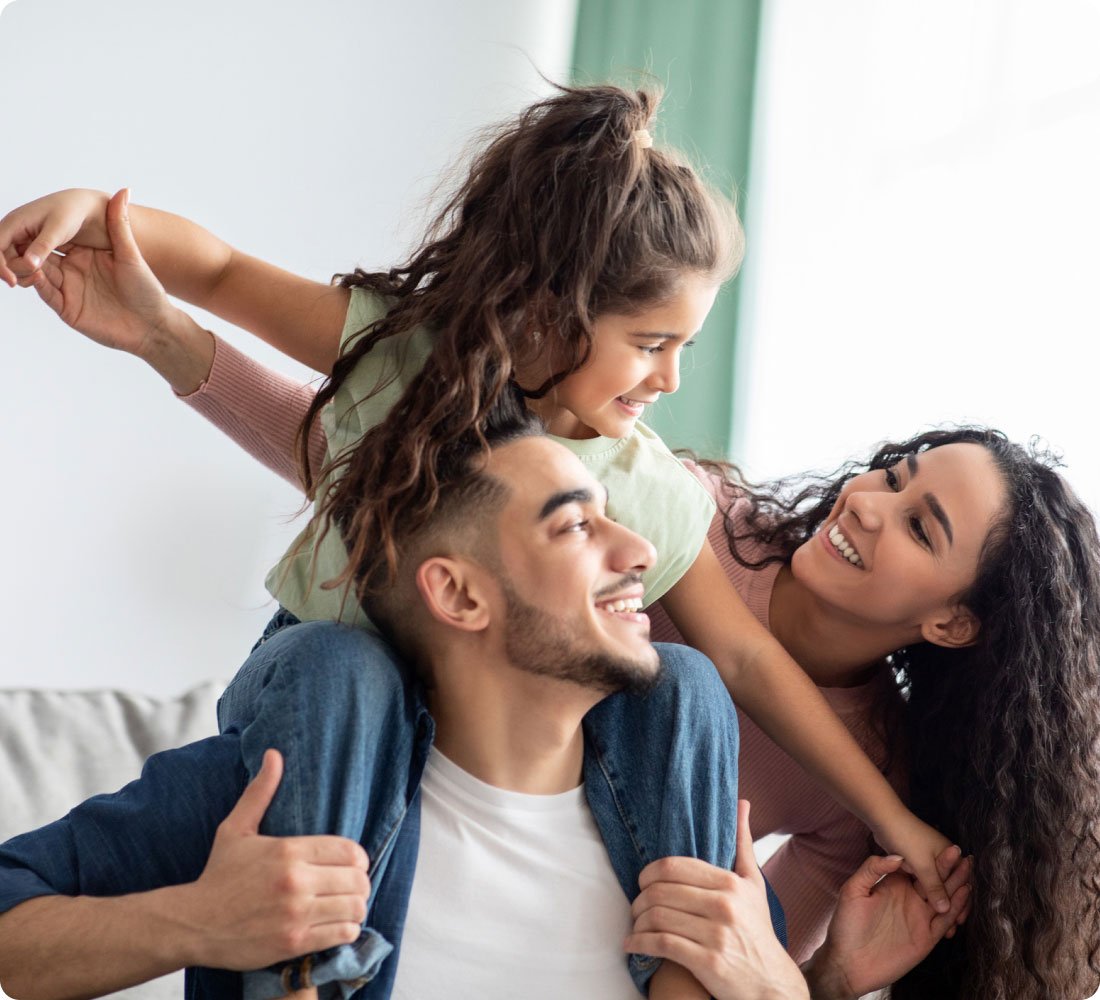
840	543
628	604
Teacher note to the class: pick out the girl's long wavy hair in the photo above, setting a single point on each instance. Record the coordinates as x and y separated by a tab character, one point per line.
566	214
1000	739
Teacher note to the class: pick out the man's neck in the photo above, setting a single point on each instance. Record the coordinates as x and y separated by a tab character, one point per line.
520	732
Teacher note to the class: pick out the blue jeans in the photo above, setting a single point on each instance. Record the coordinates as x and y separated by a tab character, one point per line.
660	770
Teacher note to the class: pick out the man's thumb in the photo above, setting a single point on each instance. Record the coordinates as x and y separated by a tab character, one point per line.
253	803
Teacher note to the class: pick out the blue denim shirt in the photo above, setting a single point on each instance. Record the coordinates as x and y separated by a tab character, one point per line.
681	735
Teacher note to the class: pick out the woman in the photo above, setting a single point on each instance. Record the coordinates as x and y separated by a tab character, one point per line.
946	595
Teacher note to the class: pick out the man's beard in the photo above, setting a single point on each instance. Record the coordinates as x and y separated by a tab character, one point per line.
540	643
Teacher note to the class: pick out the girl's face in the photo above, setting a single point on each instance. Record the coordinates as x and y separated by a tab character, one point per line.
901	545
634	359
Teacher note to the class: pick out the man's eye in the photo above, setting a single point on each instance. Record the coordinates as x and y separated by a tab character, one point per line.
578	526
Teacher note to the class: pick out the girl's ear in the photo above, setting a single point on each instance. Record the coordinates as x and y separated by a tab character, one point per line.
453	592
954	628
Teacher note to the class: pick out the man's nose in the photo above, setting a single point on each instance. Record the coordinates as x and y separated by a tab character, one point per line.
630	552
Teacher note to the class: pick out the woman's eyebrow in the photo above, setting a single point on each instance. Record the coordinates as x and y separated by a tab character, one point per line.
940	515
933	504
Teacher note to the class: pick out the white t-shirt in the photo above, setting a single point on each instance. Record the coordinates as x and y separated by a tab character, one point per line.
514	896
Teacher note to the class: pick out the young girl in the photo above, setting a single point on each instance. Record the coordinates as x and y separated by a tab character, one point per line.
576	260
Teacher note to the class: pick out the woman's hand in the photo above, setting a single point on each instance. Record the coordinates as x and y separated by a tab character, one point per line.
716	924
883	927
113	298
59	221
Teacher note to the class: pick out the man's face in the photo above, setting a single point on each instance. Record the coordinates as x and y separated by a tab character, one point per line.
570	577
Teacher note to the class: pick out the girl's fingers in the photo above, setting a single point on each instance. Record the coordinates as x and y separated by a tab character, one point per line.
745	865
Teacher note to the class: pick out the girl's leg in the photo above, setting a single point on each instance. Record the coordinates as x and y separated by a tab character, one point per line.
348	720
661	775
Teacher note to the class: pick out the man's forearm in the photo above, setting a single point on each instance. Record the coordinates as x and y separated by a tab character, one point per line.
58	947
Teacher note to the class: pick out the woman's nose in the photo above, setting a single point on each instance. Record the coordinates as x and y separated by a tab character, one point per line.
866	506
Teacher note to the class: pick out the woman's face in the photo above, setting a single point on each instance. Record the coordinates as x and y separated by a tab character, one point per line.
901	545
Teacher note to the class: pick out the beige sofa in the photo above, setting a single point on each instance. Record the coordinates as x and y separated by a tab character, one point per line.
60	747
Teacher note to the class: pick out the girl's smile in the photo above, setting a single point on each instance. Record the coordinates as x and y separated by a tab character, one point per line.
635	358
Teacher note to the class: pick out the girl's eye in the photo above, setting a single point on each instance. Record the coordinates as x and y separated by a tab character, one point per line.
918	530
891	479
649	351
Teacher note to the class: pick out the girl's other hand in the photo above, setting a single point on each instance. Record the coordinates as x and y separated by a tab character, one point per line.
110	296
59	221
923	849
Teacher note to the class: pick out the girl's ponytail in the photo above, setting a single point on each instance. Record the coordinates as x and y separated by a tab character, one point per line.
568	212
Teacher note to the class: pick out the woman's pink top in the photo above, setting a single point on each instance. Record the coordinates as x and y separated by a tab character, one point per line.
262	411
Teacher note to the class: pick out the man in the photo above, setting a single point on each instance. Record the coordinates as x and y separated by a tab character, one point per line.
517	603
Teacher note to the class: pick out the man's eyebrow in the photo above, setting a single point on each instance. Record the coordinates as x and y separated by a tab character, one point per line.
564	497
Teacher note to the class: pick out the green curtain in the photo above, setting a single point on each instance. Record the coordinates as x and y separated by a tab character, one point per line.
704	53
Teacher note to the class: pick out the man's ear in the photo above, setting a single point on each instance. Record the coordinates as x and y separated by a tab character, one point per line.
953	628
453	592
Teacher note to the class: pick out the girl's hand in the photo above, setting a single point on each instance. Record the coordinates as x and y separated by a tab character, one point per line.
716	924
922	847
59	221
111	296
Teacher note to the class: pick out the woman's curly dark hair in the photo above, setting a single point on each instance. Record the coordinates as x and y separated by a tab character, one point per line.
1000	739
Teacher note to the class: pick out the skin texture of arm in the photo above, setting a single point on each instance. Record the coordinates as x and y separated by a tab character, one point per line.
778	695
300	317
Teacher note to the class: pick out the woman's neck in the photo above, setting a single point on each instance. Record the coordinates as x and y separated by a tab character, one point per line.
834	651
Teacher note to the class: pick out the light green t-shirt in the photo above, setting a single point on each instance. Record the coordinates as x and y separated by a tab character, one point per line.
649	490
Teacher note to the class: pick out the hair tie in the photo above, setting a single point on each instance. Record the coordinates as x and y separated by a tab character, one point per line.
643	138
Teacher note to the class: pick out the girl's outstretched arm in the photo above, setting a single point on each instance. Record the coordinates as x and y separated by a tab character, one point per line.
300	317
114	299
780	698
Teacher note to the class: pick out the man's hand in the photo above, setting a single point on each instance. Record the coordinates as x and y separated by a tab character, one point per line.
883	926
716	924
262	899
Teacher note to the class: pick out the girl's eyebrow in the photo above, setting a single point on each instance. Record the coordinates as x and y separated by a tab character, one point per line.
646	335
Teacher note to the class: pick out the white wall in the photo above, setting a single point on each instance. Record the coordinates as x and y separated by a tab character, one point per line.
924	215
311	134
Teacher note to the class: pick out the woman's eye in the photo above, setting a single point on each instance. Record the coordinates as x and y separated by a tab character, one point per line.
891	479
919	532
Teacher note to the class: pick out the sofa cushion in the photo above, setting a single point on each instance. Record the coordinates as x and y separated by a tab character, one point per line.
58	748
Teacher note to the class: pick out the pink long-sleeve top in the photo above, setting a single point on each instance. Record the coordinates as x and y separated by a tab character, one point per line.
262	410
